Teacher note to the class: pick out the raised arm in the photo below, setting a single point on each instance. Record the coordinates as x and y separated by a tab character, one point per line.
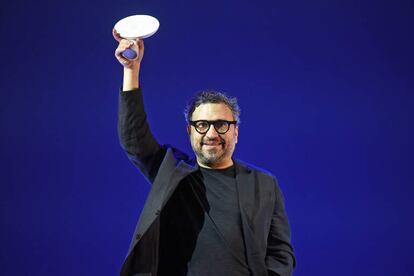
133	129
131	67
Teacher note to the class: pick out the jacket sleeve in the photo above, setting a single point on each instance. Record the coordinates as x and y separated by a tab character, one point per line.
135	136
280	258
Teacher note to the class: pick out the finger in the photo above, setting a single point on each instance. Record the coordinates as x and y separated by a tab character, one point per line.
140	43
124	61
141	48
116	35
126	43
123	45
120	50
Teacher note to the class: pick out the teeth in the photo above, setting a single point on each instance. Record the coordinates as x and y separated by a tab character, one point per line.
210	144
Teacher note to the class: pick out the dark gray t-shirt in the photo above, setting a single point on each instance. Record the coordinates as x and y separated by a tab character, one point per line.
194	243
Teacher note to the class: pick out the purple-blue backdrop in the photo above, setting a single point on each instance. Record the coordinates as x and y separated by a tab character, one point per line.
326	90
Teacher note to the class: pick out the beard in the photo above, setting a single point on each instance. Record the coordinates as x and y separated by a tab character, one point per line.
214	155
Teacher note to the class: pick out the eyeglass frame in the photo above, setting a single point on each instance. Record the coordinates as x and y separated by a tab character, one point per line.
212	122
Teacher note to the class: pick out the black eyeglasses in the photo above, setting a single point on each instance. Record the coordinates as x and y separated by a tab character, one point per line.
221	126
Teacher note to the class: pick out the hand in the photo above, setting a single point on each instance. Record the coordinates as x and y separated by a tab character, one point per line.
137	45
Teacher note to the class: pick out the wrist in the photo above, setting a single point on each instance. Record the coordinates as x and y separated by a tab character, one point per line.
131	77
133	68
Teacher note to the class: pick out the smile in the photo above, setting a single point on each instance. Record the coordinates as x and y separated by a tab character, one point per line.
212	144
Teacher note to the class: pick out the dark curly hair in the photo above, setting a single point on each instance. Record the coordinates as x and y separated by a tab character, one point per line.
211	96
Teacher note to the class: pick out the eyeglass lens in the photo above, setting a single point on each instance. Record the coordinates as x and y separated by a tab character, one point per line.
220	126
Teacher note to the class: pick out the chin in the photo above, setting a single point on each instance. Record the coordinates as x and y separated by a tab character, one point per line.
211	159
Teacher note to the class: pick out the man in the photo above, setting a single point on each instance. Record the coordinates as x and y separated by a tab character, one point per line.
212	215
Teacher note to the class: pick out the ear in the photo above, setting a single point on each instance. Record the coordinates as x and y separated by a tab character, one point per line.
236	133
188	129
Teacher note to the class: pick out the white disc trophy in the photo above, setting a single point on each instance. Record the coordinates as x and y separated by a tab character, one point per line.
136	26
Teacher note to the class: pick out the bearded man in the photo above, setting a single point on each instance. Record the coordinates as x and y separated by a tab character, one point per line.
211	215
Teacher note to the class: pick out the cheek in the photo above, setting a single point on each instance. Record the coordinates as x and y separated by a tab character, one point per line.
194	139
232	139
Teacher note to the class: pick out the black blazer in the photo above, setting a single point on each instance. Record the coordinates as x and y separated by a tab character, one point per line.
266	230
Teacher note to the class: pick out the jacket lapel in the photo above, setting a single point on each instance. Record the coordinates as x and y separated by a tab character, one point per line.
246	187
163	187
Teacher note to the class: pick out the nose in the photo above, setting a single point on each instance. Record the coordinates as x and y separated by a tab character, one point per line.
212	133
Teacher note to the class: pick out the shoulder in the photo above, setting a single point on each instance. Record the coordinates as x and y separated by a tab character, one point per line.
248	167
176	156
264	180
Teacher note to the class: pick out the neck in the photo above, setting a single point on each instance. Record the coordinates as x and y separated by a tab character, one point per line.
221	165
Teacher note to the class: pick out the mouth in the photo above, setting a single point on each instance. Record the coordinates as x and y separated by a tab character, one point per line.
212	144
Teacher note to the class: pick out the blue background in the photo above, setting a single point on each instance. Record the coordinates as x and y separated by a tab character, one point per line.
326	90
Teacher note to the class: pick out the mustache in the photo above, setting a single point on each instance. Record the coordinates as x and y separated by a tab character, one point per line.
216	141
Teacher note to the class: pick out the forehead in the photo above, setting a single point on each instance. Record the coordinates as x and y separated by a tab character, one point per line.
212	111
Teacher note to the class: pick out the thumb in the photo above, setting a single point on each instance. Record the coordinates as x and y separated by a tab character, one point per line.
140	44
116	35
